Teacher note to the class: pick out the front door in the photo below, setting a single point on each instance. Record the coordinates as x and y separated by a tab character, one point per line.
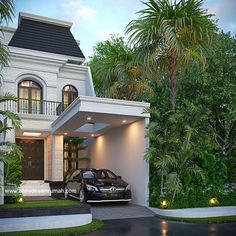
33	162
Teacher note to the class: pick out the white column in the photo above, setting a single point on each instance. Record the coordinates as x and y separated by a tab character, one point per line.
1	183
146	165
57	157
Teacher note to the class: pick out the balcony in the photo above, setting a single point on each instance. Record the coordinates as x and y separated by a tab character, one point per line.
31	106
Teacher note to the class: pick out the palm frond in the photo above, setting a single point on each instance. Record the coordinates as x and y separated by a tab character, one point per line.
6	10
7	149
15	119
7	97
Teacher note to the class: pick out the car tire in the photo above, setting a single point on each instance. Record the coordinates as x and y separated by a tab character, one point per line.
82	197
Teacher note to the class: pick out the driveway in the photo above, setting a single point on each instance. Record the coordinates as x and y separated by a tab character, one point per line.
153	226
112	211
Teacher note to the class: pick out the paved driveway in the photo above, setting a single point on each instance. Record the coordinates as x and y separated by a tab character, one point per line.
110	211
153	226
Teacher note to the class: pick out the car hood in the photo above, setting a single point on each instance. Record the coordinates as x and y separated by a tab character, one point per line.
107	182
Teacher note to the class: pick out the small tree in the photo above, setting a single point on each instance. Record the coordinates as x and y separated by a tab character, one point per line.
6	116
116	74
10	153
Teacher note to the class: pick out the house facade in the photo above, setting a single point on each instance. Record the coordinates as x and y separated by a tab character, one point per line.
64	124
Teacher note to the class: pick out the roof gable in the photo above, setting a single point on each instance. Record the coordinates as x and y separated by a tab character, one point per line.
46	37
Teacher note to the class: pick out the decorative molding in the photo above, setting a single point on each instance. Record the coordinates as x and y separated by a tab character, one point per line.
7	29
43	56
202	212
44	19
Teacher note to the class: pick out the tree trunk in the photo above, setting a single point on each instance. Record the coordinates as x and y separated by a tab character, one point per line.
162	184
173	82
172	77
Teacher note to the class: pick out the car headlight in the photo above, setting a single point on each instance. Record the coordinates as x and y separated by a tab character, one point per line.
91	188
128	187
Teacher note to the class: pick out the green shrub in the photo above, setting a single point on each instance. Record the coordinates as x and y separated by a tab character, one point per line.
12	178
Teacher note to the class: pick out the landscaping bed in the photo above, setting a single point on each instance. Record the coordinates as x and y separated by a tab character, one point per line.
220	219
94	225
42	203
44	215
43	208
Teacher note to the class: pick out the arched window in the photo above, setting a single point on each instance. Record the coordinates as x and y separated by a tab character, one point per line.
69	94
30	97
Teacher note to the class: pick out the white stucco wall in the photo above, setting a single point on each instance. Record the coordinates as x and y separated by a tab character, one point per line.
122	151
57	157
48	152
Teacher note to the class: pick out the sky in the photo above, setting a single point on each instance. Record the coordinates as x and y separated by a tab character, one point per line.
94	20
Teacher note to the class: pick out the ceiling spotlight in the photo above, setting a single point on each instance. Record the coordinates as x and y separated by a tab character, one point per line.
124	121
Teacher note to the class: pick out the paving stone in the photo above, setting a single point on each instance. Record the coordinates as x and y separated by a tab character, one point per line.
108	212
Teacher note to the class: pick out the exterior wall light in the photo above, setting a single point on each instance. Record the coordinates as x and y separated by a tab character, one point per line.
20	200
124	121
89	118
213	201
92	135
164	204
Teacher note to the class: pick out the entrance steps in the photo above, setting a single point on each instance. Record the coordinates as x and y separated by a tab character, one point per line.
35	188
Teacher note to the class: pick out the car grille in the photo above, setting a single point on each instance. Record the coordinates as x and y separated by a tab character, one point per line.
112	189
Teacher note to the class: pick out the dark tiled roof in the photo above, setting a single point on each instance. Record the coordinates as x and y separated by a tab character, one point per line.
45	37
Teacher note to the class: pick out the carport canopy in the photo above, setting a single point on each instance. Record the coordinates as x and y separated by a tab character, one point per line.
119	140
94	116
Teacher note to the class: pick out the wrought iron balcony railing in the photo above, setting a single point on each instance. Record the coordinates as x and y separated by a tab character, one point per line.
33	106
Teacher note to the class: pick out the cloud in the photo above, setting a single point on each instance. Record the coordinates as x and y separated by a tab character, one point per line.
224	11
78	13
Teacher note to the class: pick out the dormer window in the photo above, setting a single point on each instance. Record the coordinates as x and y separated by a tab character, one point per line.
69	94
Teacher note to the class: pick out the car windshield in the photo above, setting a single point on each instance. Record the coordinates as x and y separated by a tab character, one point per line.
88	174
111	175
105	174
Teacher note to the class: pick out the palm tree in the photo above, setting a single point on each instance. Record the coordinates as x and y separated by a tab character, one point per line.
169	35
115	73
6	13
7	148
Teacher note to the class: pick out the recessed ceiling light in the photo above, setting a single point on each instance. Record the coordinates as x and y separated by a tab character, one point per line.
124	121
32	134
89	118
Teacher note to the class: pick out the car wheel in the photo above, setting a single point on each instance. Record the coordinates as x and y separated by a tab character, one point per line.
82	197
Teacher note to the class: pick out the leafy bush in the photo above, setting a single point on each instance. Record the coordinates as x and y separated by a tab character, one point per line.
12	177
194	198
230	162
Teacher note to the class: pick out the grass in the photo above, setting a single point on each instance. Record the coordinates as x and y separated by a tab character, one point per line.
219	219
49	203
94	225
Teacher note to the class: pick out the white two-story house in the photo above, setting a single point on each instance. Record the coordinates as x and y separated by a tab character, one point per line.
56	100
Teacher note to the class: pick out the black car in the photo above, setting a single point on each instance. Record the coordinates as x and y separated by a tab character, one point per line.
97	185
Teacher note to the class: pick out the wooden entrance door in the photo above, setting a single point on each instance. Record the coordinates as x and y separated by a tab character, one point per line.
33	162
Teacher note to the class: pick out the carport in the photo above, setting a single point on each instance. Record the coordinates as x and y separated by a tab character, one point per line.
116	137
